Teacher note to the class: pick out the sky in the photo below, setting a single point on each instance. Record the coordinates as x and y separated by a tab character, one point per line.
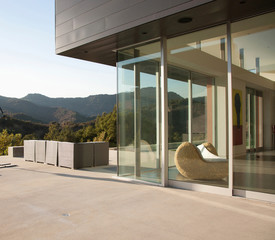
28	63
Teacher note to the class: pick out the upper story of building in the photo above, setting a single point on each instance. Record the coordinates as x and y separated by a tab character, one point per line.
94	29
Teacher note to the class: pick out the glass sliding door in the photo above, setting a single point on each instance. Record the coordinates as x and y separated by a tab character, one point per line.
253	74
178	118
260	123
250	120
202	108
254	120
197	108
139	112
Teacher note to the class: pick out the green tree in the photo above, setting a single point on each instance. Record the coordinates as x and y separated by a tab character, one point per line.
88	134
66	134
105	127
29	137
54	132
8	140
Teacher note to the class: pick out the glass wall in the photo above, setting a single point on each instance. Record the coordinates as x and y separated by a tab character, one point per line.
197	93
254	120
202	108
253	73
197	87
139	112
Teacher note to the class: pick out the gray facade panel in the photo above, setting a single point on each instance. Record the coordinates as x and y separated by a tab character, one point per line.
103	11
64	28
62	5
81	33
118	15
139	11
78	9
92	29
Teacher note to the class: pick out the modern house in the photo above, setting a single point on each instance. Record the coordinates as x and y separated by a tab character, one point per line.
187	71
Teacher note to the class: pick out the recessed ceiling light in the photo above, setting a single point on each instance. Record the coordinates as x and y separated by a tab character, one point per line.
185	20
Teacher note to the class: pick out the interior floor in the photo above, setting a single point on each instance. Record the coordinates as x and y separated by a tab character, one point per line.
255	172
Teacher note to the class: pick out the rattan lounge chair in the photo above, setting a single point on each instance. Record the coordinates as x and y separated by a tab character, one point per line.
192	165
210	148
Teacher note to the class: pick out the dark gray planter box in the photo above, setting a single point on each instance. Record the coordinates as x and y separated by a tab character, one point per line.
51	152
17	151
29	150
101	154
40	151
84	155
75	155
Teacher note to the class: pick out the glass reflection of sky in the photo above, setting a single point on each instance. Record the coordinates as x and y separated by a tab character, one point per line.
179	87
256	45
149	80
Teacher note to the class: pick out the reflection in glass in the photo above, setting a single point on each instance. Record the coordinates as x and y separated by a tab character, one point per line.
177	109
202	101
197	107
253	72
139	113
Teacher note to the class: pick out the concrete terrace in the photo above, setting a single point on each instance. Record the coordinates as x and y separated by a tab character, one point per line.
39	201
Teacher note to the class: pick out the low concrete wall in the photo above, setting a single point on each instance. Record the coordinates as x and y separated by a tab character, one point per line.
75	155
67	154
113	156
51	152
40	151
29	150
17	151
84	155
101	153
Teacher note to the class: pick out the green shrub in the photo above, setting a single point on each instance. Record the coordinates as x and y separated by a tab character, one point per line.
8	140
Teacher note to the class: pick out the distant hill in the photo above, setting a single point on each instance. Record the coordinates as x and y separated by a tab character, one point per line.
89	106
25	110
24	127
43	109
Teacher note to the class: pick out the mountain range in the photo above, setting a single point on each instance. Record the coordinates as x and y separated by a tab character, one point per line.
87	106
43	109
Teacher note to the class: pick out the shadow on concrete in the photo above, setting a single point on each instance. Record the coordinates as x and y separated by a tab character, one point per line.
7	166
105	169
79	176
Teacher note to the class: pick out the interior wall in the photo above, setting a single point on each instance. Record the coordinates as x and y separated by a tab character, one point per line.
238	84
269	117
268	112
221	113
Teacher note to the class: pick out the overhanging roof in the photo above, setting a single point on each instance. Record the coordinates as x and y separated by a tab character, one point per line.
209	14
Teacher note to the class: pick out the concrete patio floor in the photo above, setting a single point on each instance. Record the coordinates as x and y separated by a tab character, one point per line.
39	201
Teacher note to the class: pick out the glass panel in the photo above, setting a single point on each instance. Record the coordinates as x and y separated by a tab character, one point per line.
247	121
252	122
177	109
259	122
253	72
197	73
202	98
139	113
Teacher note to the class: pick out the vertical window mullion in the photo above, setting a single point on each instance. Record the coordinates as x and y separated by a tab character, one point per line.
230	109
164	114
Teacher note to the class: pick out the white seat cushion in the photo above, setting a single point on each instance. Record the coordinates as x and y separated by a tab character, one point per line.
208	156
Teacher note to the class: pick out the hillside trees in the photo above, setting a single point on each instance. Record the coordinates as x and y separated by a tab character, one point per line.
54	132
101	129
8	140
14	126
105	127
